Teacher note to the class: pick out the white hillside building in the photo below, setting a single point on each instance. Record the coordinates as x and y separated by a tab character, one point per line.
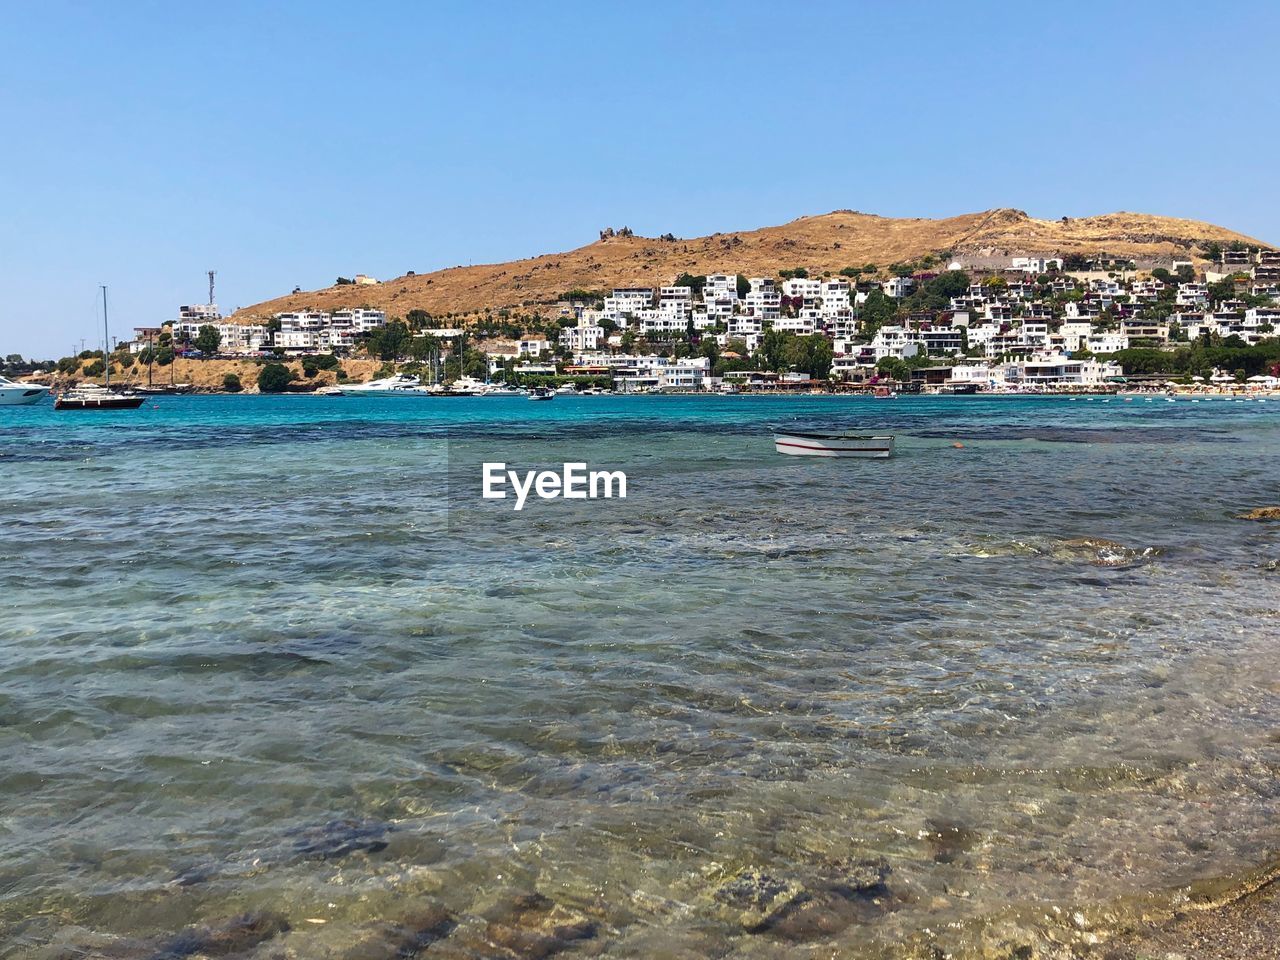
625	303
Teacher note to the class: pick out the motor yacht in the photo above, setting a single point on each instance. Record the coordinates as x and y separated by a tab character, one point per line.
399	385
14	394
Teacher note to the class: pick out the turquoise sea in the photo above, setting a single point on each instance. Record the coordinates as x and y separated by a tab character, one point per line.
276	683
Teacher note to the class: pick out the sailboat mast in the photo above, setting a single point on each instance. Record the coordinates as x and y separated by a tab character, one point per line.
106	337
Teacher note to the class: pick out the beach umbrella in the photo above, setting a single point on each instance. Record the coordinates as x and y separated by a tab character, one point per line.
1259	379
1198	379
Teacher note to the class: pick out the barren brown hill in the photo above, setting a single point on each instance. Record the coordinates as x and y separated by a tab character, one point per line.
822	243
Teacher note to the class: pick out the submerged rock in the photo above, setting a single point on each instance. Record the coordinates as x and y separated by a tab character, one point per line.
229	937
859	876
331	840
1260	513
1102	553
414	933
533	926
339	838
754	898
224	938
836	895
396	940
947	839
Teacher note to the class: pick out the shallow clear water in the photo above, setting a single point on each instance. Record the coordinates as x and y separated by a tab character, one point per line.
275	653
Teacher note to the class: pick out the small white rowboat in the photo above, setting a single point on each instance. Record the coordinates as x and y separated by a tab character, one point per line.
833	445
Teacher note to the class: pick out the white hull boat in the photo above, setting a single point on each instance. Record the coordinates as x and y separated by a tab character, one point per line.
833	445
401	385
14	394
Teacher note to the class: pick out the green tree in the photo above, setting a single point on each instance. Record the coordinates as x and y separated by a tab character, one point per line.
744	286
424	347
894	368
208	339
231	383
689	280
164	356
94	369
389	341
274	378
877	310
936	294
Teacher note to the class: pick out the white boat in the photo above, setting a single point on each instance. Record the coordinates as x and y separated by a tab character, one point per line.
400	385
14	394
833	445
542	393
465	387
566	389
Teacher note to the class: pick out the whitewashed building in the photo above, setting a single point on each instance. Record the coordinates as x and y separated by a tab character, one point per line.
898	287
625	303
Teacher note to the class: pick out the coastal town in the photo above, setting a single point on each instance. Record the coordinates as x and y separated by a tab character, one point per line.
947	323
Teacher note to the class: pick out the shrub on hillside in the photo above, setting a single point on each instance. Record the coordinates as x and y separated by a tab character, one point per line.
231	383
274	378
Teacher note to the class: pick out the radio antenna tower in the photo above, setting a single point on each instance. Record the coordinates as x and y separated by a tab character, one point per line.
211	275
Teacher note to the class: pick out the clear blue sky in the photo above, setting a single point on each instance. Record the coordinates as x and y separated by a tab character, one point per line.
290	143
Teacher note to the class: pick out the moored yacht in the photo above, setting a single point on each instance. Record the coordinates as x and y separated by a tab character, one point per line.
93	396
14	394
399	385
465	387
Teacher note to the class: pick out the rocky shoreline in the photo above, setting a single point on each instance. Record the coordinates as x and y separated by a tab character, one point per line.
1244	928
